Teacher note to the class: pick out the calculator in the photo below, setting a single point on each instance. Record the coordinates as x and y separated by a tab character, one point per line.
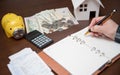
38	39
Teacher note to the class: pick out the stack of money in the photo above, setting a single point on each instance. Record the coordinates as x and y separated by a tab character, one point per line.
51	20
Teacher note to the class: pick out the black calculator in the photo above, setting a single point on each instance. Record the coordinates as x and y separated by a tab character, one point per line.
38	39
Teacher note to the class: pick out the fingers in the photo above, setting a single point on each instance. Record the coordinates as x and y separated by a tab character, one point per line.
97	29
107	29
94	21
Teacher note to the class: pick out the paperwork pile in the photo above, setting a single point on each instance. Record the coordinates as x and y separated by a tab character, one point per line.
27	62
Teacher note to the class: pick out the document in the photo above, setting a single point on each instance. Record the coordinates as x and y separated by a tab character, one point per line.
83	54
27	62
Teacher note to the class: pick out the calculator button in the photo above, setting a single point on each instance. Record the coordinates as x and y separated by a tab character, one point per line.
38	39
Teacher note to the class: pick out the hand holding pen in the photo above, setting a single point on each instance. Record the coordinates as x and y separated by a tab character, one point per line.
103	26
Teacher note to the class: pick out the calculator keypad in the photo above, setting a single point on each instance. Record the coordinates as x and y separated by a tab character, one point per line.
38	39
41	40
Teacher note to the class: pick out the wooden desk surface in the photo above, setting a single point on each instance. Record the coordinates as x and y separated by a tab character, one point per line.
30	7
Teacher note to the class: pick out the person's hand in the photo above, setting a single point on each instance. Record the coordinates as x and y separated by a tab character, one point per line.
107	29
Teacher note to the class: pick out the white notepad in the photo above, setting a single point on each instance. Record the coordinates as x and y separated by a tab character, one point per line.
83	55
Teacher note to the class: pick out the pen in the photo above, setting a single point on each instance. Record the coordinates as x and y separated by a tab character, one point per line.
103	20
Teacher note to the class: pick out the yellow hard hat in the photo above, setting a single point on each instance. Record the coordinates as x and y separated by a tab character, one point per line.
13	25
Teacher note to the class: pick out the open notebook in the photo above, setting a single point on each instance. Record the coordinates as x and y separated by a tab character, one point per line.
83	54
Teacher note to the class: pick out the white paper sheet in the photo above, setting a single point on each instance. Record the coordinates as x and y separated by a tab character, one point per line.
27	62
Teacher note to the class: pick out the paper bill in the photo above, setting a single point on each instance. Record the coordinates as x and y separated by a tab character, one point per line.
65	12
51	20
32	24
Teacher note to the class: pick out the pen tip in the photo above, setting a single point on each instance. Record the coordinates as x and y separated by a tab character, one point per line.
86	33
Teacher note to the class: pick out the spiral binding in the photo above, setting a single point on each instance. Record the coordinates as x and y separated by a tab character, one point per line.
83	42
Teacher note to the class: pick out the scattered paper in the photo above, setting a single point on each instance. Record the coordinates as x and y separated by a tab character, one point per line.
27	62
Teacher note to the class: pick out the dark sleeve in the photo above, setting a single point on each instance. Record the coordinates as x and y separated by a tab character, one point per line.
117	36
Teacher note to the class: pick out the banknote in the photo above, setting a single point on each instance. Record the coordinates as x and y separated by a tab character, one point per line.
32	24
65	12
48	21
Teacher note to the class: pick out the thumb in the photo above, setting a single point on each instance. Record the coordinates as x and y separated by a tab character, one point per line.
97	29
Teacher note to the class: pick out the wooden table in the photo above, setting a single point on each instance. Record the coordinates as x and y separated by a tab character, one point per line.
30	7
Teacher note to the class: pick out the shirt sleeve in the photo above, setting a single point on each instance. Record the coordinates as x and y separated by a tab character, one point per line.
117	36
